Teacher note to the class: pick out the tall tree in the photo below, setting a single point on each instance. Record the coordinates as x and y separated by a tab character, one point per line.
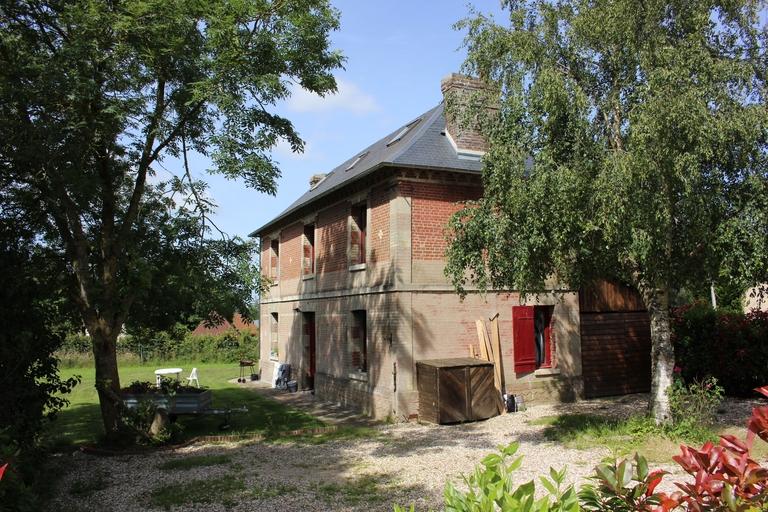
95	94
629	142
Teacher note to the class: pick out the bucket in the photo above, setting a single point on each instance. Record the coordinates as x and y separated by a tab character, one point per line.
293	386
519	403
509	403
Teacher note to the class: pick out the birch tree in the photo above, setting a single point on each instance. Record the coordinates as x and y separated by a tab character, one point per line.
629	143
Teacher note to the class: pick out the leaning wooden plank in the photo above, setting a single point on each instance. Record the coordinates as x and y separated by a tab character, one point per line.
487	342
496	374
496	339
481	339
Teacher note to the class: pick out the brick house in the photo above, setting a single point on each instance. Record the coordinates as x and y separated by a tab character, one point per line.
359	295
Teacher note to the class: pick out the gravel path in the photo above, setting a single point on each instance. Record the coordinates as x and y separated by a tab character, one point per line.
405	463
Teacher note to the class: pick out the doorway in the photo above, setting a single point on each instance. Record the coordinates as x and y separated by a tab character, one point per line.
310	351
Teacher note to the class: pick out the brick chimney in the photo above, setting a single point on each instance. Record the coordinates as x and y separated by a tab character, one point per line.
460	91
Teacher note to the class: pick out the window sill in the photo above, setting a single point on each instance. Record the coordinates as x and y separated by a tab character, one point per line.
274	359
544	372
307	277
361	376
357	268
275	283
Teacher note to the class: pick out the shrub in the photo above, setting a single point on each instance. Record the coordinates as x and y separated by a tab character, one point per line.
730	346
175	344
693	408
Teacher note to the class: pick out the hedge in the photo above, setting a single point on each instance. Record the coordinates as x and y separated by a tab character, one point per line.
728	345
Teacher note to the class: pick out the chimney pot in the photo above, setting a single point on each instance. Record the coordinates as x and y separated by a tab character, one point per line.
315	180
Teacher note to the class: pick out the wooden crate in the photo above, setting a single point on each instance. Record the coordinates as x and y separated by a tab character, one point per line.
455	390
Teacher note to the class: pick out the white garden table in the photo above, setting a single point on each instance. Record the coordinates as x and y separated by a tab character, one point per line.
159	373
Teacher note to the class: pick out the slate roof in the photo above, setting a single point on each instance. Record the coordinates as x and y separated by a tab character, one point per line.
423	146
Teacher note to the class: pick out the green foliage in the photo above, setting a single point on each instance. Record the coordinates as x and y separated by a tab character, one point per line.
98	98
178	344
694	407
229	347
623	487
137	422
271	490
491	487
223	489
34	315
627	141
33	318
366	488
727	345
623	436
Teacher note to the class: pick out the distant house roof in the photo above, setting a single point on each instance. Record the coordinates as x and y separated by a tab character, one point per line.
238	323
420	143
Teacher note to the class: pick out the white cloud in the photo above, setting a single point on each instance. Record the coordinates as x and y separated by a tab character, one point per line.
349	97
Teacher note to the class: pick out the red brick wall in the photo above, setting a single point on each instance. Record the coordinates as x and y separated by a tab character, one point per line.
432	204
379	226
290	251
331	239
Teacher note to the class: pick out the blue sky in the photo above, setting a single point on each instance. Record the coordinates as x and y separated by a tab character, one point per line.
397	52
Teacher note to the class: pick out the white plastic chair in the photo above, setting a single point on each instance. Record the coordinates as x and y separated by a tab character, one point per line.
193	378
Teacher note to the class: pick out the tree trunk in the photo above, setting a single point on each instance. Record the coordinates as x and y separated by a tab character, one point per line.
662	353
108	381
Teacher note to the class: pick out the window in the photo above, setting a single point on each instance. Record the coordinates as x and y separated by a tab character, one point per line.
308	259
274	259
358	335
403	132
273	337
532	337
356	160
357	234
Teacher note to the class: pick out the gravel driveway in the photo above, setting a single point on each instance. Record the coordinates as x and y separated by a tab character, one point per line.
405	463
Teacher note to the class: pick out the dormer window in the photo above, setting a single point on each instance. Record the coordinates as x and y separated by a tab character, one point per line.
356	160
403	132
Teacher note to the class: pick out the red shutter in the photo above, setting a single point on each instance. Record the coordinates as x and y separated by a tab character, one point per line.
522	339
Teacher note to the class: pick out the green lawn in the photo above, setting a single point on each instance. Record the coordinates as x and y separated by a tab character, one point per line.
629	435
80	423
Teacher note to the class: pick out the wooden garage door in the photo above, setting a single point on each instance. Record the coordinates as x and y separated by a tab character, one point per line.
615	353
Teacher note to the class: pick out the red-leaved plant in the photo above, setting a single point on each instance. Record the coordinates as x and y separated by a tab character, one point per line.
724	475
724	478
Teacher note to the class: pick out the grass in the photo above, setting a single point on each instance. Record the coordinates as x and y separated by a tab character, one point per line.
194	462
368	488
273	490
622	436
80	422
211	490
